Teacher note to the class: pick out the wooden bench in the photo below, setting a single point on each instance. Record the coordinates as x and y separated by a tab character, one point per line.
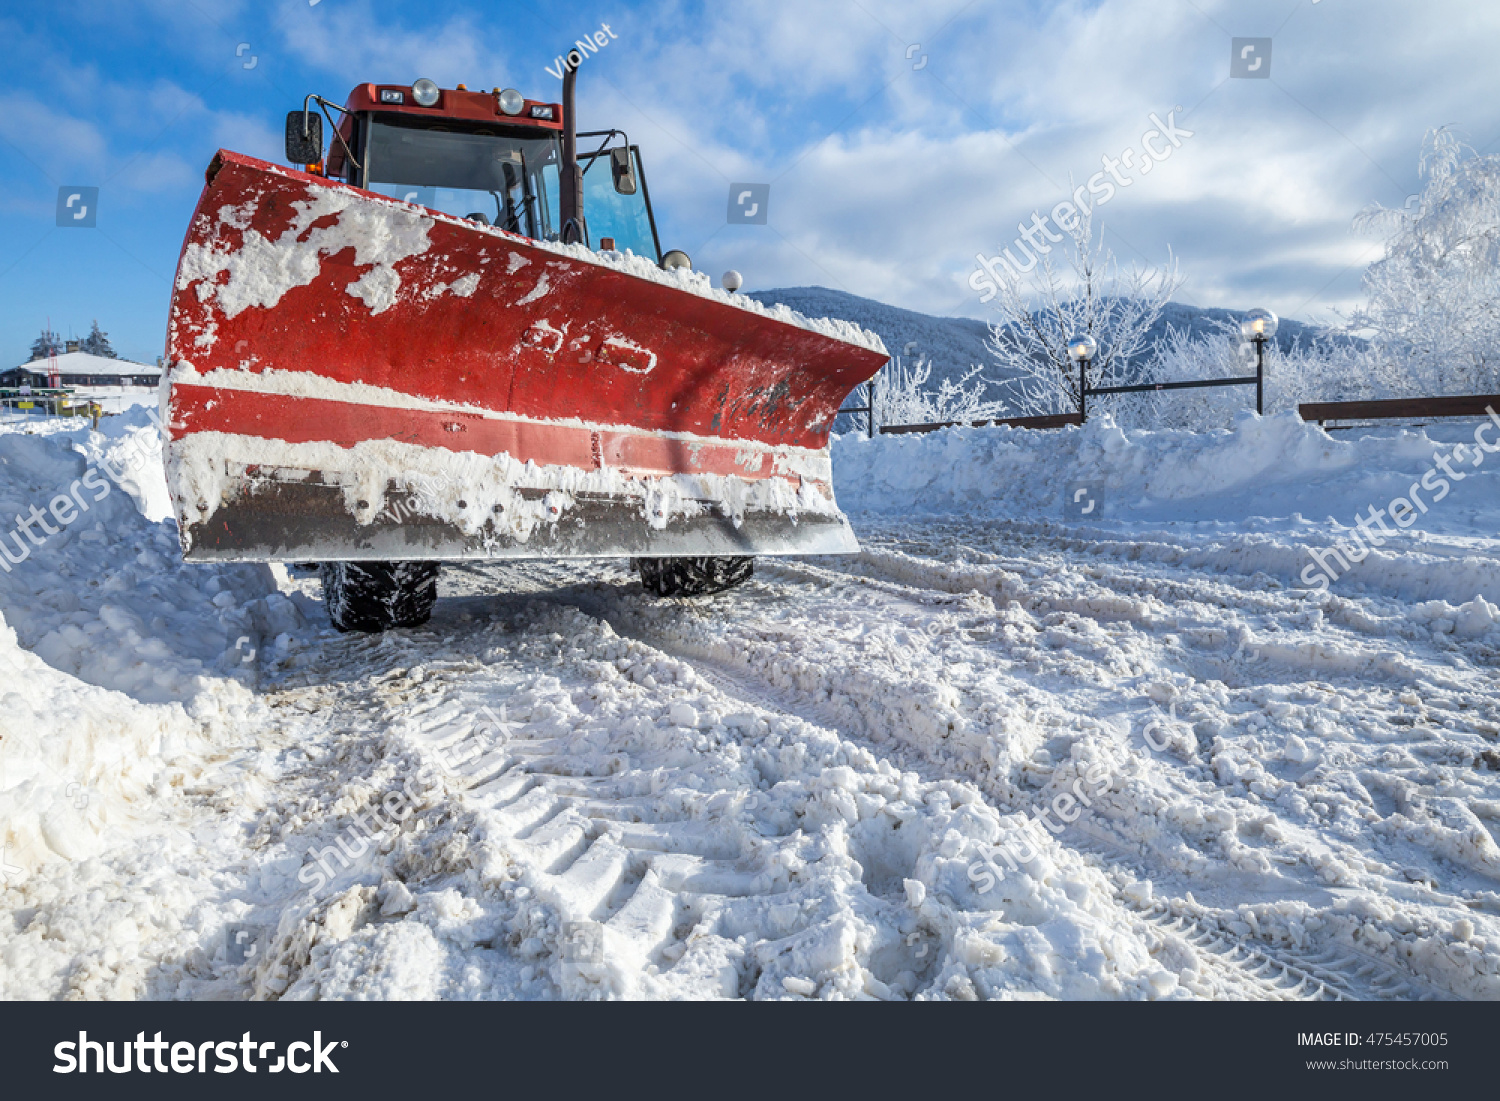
1473	405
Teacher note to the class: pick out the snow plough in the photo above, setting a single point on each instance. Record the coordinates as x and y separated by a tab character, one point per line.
453	335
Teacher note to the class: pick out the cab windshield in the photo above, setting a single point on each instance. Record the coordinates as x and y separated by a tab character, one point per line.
505	180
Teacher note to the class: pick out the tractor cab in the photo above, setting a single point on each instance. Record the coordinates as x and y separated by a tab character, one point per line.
492	157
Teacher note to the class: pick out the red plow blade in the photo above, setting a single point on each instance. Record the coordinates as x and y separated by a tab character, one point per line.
353	377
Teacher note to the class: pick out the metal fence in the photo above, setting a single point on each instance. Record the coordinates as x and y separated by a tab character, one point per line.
1063	420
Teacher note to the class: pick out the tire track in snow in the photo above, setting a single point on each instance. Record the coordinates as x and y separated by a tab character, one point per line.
1379	978
1336	972
638	872
1229	966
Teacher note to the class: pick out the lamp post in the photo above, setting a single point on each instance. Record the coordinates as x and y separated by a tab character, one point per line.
1259	326
1083	348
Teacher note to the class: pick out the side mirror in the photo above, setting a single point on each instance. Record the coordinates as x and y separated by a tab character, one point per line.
304	148
622	170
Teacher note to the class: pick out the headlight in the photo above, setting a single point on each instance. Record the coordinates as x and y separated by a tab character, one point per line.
392	95
676	259
425	92
511	101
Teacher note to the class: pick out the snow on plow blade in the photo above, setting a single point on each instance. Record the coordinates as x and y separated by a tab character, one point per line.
353	377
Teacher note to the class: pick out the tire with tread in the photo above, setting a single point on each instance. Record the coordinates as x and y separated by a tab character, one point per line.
693	576
377	596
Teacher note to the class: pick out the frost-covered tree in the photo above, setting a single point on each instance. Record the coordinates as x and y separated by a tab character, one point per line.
97	343
1093	295
1434	309
902	396
49	343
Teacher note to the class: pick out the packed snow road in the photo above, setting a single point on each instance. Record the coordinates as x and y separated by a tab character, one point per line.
1267	769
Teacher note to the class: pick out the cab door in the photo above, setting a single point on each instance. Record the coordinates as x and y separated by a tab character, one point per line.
623	215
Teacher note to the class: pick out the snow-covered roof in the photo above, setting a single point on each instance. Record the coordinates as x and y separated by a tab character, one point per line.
82	363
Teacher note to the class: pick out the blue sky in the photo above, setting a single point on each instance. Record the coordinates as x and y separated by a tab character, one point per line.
899	140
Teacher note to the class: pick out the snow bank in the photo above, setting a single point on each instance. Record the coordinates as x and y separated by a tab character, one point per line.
96	587
77	763
1266	493
120	663
138	440
1271	468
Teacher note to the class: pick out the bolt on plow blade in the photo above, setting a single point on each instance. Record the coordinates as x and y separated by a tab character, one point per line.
353	377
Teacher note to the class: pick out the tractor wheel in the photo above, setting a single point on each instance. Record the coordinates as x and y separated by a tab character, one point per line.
376	596
693	576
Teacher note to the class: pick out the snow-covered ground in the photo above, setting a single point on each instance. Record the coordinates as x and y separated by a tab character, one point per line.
1010	750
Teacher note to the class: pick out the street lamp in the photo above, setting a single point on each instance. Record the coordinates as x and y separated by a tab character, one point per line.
1083	348
1259	326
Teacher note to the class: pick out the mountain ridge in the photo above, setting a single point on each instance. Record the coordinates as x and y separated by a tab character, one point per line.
955	345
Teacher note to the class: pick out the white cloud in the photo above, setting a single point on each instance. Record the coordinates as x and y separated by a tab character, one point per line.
1016	99
355	43
886	179
52	140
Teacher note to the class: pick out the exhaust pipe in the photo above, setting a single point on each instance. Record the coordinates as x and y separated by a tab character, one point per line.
573	230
